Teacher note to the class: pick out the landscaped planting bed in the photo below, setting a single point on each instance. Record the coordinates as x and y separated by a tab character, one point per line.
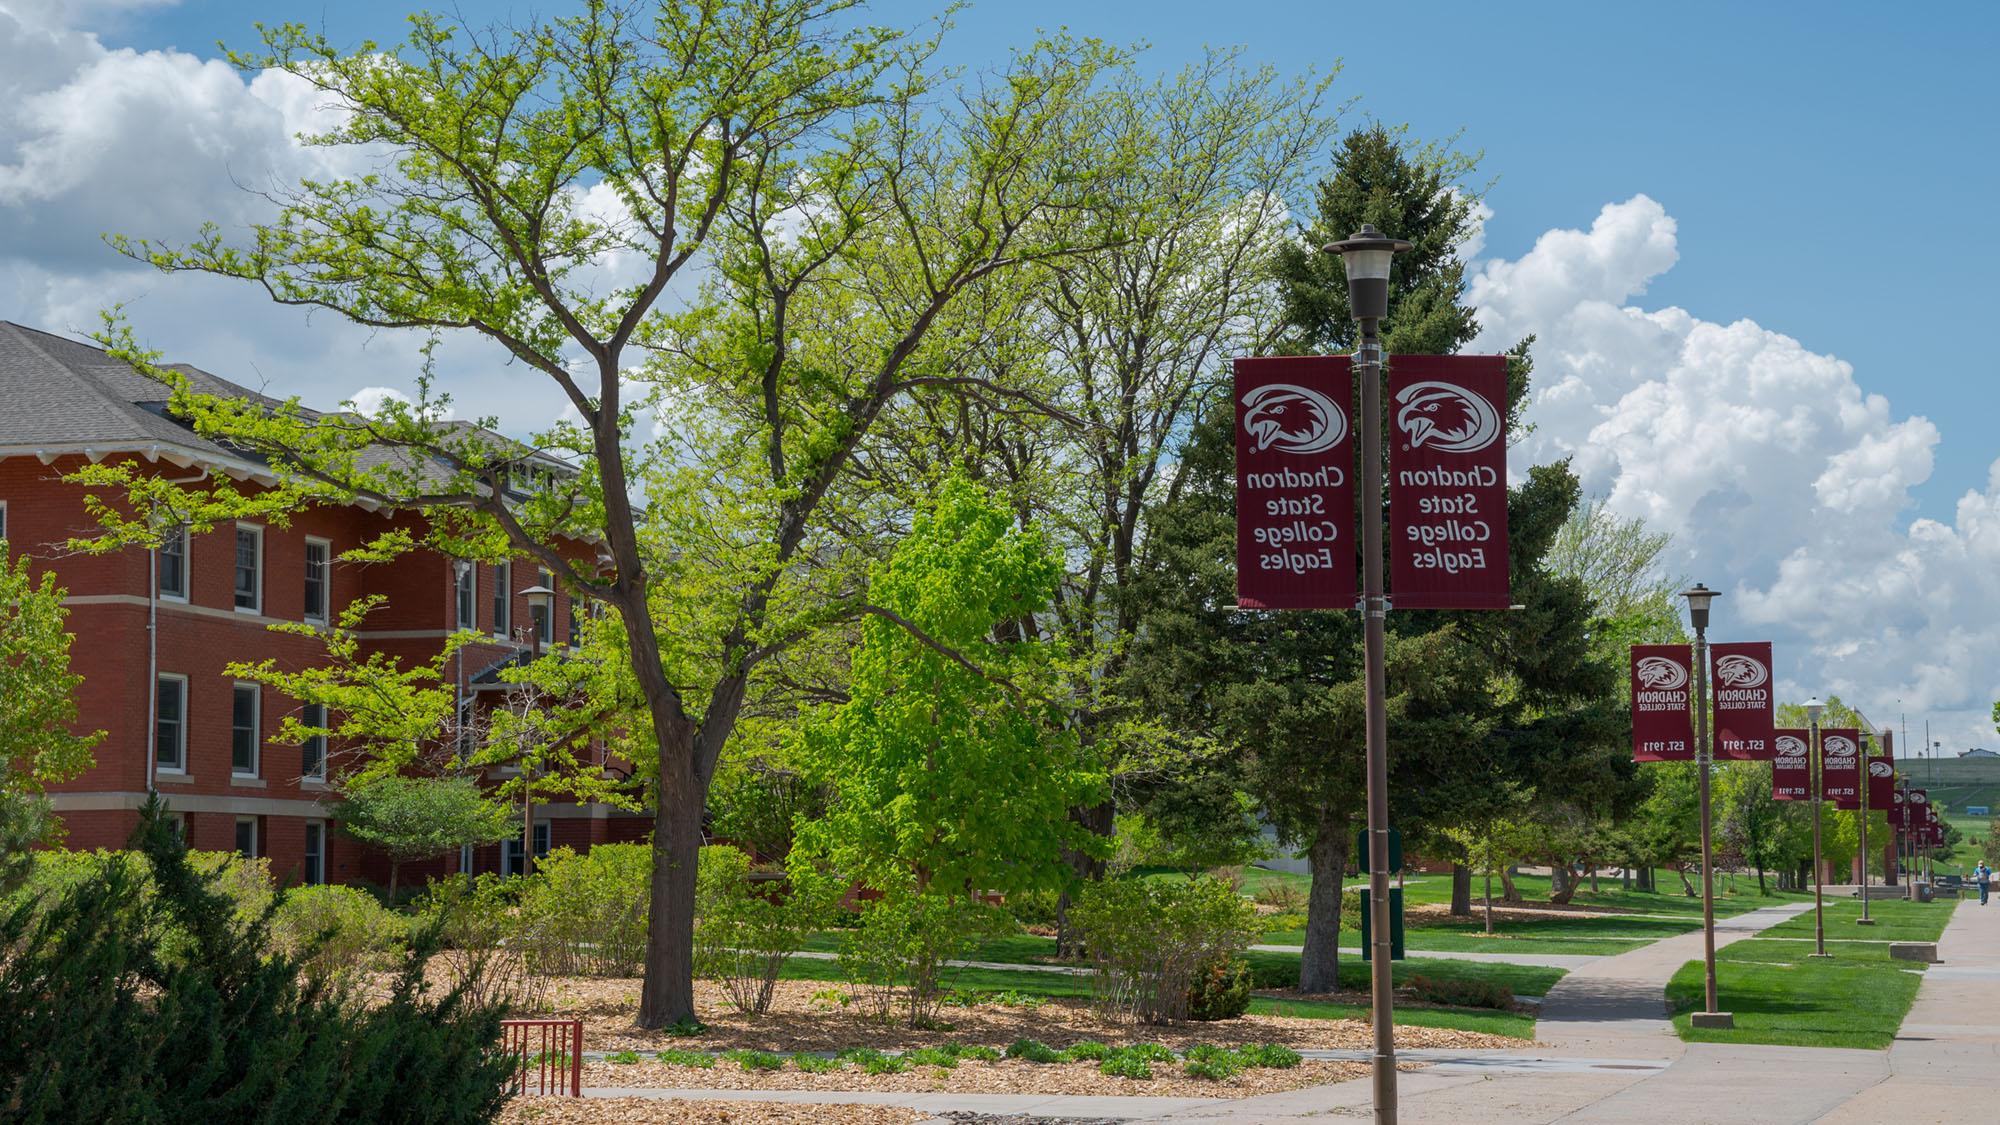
808	1016
678	1111
1028	1067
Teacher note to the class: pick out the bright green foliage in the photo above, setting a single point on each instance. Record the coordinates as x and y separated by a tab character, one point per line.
976	1051
412	818
951	766
1221	990
755	1060
223	1033
932	1056
746	929
37	711
676	1056
336	932
1490	846
622	1058
1274	1056
1152	940
816	1064
1088	1050
1205	1060
1033	1050
896	958
1125	1066
586	914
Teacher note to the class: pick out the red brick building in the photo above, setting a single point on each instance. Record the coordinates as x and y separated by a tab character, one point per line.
155	629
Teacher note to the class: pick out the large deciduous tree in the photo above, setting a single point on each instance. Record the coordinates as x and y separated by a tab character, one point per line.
853	224
39	744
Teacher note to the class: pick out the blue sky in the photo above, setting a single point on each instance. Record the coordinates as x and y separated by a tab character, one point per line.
1800	147
1704	212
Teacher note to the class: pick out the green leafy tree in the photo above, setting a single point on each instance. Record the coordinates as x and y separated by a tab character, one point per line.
858	224
417	818
39	745
1492	845
951	769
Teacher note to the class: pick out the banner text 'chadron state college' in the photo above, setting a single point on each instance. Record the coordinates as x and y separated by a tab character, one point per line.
1448	482
1294	483
1662	690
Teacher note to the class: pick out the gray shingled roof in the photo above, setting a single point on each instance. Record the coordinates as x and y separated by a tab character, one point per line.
62	395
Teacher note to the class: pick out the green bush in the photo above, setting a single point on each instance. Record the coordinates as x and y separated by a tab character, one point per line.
1273	1056
475	919
1284	895
1151	1052
755	1060
585	915
816	1064
1032	908
622	1058
1213	1063
1033	1050
244	883
676	1056
1086	1050
933	1056
1221	990
1273	923
746	930
1153	939
1459	992
96	1025
1121	1065
885	1064
896	959
975	1051
336	932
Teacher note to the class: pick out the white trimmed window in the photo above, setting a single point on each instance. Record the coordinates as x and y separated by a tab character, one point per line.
249	568
319	580
503	599
3	519
510	862
541	614
172	560
575	631
170	729
244	734
465	584
315	853
312	752
465	859
246	836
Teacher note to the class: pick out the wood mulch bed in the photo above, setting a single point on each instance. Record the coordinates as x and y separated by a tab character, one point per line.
652	1111
972	1076
797	1022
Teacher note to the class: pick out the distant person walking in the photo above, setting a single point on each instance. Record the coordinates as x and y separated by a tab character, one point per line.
1984	874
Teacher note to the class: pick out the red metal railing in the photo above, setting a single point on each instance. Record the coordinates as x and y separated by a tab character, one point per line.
548	1056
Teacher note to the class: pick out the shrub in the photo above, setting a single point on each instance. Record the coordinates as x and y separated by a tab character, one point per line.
623	1058
885	1064
586	914
676	1056
1121	1065
1286	896
1460	992
1151	941
1270	1055
816	1064
755	1060
336	932
1213	1063
933	1056
896	959
1275	922
1033	1050
1032	908
473	919
224	1033
1151	1052
745	931
244	883
1221	990
976	1051
1086	1050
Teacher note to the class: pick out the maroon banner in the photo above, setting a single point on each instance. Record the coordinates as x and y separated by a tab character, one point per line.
1294	483
1840	767
1662	691
1918	810
1448	482
1791	771
1881	781
1744	722
1899	811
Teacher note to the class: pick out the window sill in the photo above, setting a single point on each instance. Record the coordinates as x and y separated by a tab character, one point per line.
312	783
246	781
250	610
174	599
172	777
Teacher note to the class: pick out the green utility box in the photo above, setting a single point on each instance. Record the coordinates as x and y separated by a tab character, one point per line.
1395	924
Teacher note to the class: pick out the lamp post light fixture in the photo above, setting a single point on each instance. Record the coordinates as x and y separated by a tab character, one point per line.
1366	257
1813	710
1699	598
539	598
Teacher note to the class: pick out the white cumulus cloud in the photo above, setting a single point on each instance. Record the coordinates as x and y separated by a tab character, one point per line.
1785	482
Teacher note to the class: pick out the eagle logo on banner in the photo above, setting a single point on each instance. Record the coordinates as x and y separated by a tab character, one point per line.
1657	673
1741	672
1292	419
1880	769
1791	746
1837	746
1446	417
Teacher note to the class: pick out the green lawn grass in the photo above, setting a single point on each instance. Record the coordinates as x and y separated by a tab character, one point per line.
1779	993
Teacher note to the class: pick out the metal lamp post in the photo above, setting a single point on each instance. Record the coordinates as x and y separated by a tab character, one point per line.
1813	709
1861	825
541	598
1699	598
1367	256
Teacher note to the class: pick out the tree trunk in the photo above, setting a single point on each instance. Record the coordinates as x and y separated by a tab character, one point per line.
1761	889
1461	891
1687	887
1319	961
1593	878
1100	819
1489	904
1508	891
1562	884
667	996
394	864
